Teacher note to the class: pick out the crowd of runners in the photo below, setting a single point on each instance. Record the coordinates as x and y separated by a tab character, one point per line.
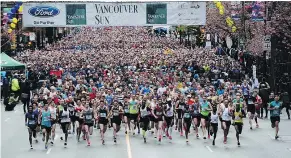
127	78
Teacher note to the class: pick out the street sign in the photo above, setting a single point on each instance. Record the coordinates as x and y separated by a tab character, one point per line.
267	43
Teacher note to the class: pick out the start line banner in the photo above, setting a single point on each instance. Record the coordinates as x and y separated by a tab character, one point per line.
113	14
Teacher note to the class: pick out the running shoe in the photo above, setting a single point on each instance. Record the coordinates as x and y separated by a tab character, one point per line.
65	144
170	137
213	142
144	140
103	142
31	147
114	140
238	143
276	137
46	146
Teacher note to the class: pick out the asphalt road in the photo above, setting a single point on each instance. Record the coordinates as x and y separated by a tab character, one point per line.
256	143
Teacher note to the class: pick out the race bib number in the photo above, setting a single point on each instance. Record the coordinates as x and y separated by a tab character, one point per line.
159	113
186	115
77	114
88	117
214	120
134	107
250	102
31	122
237	118
144	113
126	110
170	113
195	112
116	113
71	108
181	107
64	116
45	119
102	114
276	112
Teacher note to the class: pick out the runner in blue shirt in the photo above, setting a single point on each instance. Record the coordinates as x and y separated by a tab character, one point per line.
274	108
46	124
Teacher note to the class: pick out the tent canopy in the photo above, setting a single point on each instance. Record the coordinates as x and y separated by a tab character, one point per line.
8	63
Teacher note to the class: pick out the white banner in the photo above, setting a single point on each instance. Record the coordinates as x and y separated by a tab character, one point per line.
113	14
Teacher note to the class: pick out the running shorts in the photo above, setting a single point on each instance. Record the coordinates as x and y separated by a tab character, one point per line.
228	123
274	119
32	127
239	127
48	129
158	119
116	120
133	117
126	114
179	111
206	118
89	124
103	121
169	121
65	126
251	108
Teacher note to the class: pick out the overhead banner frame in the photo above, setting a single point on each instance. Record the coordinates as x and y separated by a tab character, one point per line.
113	14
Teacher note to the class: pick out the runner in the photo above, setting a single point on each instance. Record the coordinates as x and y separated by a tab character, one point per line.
116	112
169	118
145	113
196	115
180	105
133	113
238	121
205	109
158	114
126	115
64	116
187	121
214	124
79	122
87	115
46	124
31	120
53	112
251	108
226	114
274	108
103	116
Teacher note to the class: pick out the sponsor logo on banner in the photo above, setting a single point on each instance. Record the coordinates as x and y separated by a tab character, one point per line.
76	14
106	10
156	13
44	11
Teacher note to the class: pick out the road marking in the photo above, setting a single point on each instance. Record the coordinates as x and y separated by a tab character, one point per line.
128	146
7	119
49	150
209	149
